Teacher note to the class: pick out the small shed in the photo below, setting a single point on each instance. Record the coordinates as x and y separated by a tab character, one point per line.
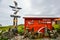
39	23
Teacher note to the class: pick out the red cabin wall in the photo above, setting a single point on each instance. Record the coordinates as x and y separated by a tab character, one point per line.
36	25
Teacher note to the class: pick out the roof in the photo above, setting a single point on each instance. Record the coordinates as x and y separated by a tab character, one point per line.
40	17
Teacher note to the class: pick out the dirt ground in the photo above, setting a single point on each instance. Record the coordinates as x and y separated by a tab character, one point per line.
21	38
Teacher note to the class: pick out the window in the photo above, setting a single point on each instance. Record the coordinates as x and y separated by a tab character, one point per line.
31	22
46	21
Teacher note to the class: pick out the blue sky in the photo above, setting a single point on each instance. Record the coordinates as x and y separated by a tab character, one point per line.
29	8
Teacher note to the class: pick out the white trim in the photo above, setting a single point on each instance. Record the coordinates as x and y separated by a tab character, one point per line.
41	16
40	29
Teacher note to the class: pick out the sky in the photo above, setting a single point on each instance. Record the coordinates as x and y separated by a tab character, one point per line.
29	8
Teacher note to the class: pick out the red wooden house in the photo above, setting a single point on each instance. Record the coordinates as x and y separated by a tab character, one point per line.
39	23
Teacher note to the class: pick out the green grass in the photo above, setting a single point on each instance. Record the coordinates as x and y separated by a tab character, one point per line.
4	28
20	28
56	26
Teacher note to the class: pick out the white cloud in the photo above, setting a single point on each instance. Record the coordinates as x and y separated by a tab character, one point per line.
29	8
45	7
6	11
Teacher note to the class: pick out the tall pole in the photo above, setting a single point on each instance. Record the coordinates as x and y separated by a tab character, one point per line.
15	16
15	21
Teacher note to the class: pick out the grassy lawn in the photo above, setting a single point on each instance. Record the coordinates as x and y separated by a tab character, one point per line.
5	28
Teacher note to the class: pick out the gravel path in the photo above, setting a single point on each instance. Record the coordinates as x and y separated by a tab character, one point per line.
21	38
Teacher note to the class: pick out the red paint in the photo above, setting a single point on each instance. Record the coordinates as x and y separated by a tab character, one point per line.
37	23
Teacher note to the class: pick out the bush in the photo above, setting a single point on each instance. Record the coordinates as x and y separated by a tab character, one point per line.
4	39
21	30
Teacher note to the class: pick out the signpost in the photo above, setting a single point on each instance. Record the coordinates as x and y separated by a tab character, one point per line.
15	16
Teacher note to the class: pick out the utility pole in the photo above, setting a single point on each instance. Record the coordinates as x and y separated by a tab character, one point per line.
15	16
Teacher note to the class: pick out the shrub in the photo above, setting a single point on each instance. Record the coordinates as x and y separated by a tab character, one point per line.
21	30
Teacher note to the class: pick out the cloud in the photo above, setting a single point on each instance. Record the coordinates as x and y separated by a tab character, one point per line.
0	0
29	8
45	8
6	11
